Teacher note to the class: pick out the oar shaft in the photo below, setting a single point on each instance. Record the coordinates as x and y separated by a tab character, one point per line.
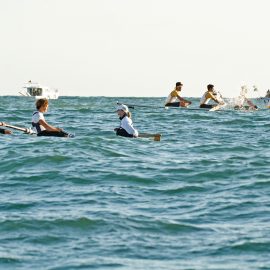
26	130
17	128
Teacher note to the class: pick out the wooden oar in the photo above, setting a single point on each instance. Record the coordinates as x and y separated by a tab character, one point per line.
156	137
25	130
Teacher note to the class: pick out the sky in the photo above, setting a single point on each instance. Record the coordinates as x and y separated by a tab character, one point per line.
135	47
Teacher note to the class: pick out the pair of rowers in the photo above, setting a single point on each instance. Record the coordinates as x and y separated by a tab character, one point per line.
42	128
242	102
175	100
126	129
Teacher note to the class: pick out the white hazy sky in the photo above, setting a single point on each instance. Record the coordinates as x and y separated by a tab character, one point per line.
134	47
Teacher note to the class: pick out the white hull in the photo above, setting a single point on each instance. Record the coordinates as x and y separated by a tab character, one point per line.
39	97
37	91
47	97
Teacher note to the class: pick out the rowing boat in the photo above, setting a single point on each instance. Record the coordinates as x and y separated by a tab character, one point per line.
133	106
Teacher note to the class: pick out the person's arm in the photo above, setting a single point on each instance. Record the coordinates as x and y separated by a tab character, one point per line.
5	131
136	133
213	98
180	98
47	126
8	131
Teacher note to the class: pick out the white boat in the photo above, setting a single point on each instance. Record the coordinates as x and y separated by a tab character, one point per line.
38	91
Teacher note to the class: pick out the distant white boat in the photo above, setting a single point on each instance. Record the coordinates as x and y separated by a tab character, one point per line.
38	91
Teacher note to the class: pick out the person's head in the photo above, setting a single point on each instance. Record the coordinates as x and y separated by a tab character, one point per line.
122	111
210	87
178	86
42	104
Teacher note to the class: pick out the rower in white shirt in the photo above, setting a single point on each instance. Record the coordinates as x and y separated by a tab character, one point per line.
126	128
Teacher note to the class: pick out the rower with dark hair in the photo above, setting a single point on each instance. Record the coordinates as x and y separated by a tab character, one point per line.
40	126
4	131
210	94
174	99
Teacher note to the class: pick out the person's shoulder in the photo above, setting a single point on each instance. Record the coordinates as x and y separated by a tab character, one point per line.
127	119
38	114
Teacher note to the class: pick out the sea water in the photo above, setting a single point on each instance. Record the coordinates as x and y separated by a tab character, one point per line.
198	199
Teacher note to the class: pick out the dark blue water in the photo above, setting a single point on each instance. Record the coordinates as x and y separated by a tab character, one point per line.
198	199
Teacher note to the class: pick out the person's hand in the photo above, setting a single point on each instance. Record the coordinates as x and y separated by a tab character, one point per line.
2	124
60	129
8	131
183	104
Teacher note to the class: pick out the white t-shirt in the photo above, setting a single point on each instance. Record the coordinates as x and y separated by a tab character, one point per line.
35	119
126	124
